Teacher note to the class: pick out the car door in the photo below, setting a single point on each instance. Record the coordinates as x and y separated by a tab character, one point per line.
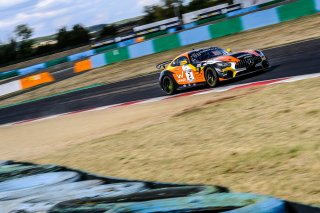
184	72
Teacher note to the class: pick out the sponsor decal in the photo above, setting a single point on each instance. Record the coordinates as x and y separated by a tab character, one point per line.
180	75
189	73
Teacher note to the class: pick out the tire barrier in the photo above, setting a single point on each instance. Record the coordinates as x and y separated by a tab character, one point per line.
27	187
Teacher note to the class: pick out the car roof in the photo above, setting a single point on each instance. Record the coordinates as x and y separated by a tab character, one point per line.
197	50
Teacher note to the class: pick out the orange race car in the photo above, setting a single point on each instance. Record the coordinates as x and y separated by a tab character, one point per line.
208	66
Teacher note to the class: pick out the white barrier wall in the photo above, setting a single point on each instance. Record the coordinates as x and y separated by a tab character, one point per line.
10	87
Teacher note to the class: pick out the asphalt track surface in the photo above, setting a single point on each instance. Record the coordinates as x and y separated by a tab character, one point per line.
291	60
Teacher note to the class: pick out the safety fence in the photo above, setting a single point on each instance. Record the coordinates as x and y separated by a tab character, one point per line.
124	43
229	26
27	187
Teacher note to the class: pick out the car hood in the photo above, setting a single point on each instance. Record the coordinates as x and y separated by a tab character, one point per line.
233	57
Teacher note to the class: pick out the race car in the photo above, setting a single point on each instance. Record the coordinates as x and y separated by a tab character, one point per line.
208	66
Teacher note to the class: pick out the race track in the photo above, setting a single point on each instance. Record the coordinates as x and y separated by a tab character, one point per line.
291	60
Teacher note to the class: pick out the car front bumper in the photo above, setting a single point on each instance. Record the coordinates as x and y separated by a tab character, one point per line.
230	72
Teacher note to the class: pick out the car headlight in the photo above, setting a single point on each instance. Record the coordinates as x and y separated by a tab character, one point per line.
223	64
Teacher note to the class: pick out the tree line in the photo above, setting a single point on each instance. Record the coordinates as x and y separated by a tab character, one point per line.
20	46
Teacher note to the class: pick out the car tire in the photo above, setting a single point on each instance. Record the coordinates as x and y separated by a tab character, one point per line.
211	77
168	85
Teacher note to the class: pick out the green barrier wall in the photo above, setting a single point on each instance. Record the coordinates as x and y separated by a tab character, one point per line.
166	43
105	48
214	18
117	55
57	61
8	74
155	34
296	9
226	27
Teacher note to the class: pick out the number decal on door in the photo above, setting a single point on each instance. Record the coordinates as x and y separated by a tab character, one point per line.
189	73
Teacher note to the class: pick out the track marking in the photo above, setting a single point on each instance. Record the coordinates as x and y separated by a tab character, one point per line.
110	93
158	99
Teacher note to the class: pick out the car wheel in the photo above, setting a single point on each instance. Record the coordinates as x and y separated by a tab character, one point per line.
265	64
168	85
211	77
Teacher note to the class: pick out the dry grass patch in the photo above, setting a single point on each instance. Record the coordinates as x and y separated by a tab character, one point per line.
274	35
264	141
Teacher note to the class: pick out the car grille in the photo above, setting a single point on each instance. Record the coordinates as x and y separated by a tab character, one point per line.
248	62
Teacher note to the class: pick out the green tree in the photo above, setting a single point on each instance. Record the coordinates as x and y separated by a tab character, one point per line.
63	38
25	49
108	31
23	32
8	52
79	35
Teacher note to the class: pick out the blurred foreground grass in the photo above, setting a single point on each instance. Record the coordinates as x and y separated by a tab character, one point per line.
262	140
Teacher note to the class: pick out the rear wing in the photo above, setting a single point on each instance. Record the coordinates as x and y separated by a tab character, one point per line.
163	65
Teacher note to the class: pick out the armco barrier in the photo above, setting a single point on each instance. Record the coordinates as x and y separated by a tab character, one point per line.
78	56
141	49
32	69
98	60
260	19
56	61
8	74
229	26
27	187
117	55
10	87
25	83
166	43
297	9
35	80
82	66
195	35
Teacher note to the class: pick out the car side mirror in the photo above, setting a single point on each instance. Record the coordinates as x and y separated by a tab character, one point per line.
183	63
229	50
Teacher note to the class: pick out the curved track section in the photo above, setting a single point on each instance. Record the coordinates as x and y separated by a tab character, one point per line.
290	60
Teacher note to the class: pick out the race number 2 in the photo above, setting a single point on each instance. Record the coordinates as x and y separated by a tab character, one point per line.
189	73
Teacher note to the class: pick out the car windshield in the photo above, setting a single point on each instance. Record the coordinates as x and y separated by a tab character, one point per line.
205	54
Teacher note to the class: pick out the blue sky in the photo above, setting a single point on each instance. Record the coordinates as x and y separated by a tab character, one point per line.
46	16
